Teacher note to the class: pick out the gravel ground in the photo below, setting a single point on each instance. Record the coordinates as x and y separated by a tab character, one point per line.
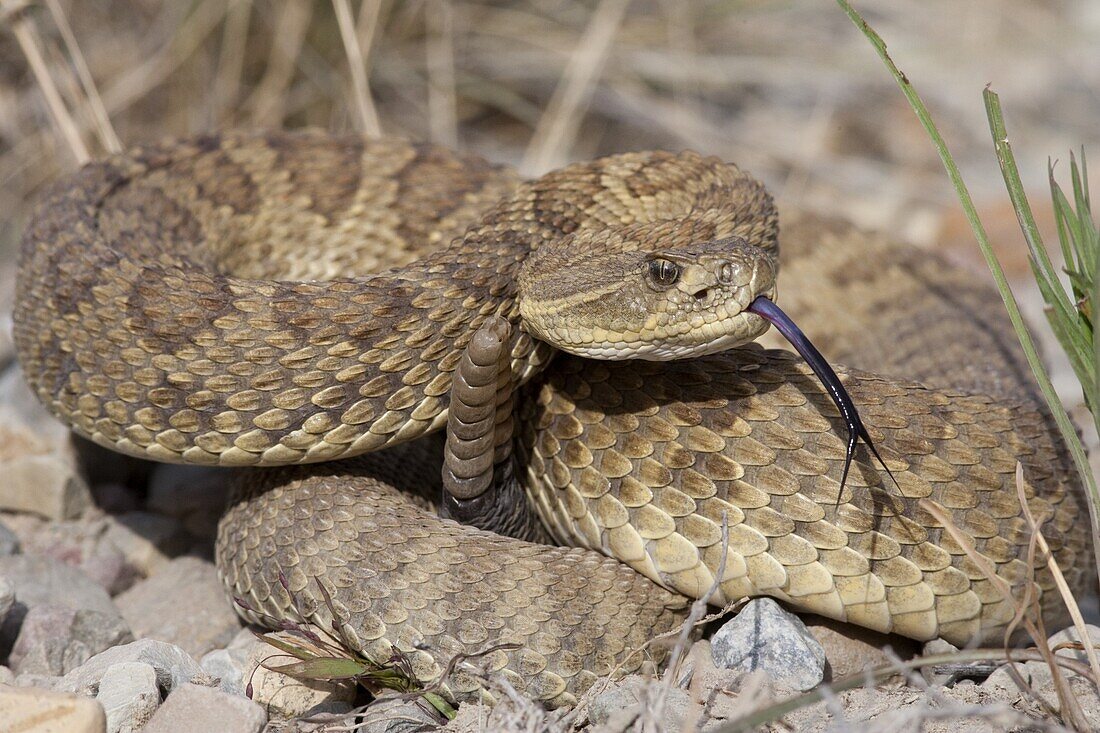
111	613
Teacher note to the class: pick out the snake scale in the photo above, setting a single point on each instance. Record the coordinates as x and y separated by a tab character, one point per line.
212	301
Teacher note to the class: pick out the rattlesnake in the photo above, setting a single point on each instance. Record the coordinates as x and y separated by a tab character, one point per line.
209	301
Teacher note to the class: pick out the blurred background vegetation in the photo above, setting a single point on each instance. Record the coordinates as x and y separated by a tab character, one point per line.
787	88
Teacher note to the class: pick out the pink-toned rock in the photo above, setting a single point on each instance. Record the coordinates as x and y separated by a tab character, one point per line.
54	640
183	603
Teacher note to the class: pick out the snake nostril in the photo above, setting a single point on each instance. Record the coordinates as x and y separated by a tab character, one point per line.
702	294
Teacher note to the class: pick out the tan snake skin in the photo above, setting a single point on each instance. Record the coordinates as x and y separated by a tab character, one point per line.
159	313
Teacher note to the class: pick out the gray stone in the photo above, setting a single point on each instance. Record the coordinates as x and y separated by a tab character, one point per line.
48	433
7	598
196	709
147	540
196	495
221	665
40	581
390	715
619	705
41	681
115	498
229	665
55	640
9	542
173	665
7	677
129	696
933	648
1037	674
765	637
184	604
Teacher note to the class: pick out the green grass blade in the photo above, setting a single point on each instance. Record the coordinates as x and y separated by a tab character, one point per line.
1060	205
1058	410
1041	265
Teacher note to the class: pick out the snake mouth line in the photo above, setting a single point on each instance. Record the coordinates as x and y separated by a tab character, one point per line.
768	310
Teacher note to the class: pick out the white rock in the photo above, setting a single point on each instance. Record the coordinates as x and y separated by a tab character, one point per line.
286	697
197	709
42	711
173	665
765	637
1070	636
82	545
129	696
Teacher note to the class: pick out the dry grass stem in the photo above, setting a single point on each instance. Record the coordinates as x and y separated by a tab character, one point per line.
268	100
357	60
1059	579
107	136
133	85
227	82
26	34
557	128
1070	708
442	104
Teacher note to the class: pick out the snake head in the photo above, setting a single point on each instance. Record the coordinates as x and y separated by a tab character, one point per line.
605	303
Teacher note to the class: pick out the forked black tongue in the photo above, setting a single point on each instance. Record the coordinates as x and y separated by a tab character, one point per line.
768	310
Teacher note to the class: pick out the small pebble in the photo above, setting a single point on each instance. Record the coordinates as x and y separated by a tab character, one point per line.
129	696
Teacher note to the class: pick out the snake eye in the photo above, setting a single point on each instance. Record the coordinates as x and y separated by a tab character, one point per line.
663	273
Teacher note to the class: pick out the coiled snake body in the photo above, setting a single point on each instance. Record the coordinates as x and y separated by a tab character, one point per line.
209	301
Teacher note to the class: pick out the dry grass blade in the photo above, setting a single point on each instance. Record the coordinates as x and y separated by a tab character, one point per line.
1059	579
107	136
557	128
227	83
133	85
1070	707
268	100
442	114
22	25
357	61
653	711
